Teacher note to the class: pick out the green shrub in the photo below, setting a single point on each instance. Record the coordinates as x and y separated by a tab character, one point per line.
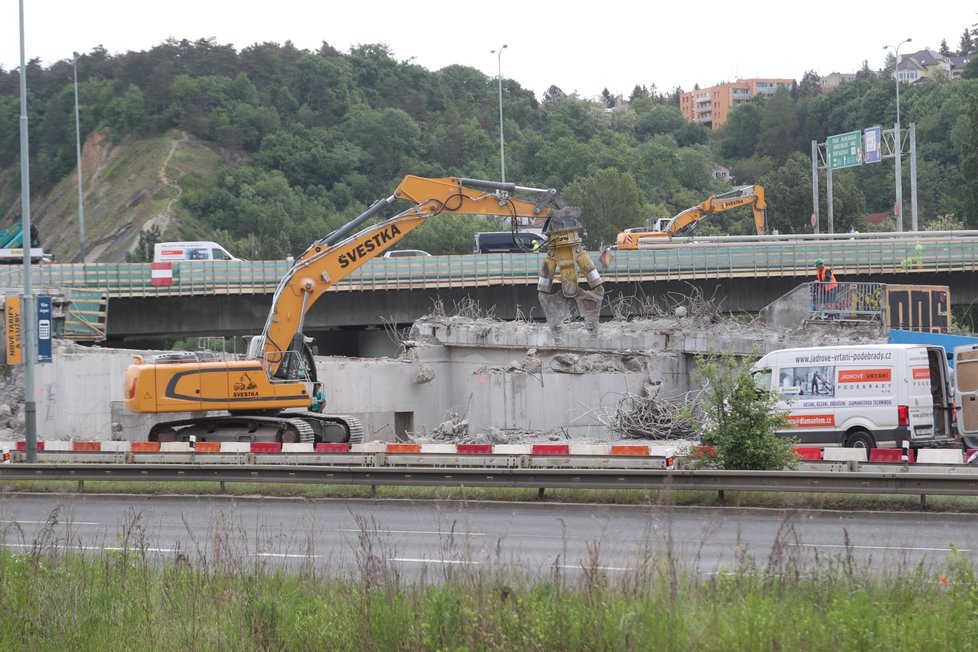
738	423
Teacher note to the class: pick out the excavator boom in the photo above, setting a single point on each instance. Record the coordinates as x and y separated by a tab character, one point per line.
340	254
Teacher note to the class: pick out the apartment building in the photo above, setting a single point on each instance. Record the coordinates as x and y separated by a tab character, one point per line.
711	106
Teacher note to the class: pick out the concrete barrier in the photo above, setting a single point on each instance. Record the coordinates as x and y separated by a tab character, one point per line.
845	455
940	456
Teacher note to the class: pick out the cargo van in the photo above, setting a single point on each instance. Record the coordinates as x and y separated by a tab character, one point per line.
966	387
507	242
862	396
190	251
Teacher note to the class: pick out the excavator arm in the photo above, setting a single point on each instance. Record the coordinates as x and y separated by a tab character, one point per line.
345	250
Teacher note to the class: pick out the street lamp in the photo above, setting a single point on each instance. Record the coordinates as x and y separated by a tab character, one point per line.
81	207
897	139
502	142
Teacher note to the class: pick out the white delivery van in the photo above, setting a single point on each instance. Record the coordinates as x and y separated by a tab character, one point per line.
862	396
192	251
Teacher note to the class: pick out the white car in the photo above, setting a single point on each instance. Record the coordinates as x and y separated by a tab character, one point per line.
405	253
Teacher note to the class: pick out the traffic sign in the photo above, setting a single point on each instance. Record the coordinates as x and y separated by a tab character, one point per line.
15	338
844	150
872	139
44	329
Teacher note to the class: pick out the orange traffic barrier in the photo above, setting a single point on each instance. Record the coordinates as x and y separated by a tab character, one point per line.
207	447
630	449
403	448
86	446
266	447
145	447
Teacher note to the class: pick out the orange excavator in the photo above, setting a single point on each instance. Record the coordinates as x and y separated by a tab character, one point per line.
270	394
683	223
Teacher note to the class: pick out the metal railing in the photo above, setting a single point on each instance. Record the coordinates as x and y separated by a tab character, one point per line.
678	259
919	483
847	301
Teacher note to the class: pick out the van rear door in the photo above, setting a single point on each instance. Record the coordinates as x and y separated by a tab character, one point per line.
966	392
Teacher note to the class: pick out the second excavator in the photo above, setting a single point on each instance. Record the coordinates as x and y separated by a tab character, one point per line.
683	223
269	395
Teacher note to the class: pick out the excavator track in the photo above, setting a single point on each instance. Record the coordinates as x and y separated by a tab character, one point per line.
288	427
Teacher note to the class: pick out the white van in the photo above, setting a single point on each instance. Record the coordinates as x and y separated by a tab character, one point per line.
863	396
192	251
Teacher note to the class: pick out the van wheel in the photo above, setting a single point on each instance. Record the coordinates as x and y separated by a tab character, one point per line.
969	442
860	439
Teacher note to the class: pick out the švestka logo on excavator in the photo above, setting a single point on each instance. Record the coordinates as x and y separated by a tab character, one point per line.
364	249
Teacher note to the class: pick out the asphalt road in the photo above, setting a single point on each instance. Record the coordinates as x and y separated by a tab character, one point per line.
433	538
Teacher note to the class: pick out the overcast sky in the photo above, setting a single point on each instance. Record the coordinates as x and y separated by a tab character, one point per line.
578	47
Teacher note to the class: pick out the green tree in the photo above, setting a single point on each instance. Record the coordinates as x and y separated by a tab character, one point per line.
788	192
969	170
390	138
810	85
738	422
610	201
447	234
966	45
779	126
143	253
659	119
739	136
127	112
971	70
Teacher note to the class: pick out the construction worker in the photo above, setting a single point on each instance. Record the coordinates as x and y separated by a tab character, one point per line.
826	287
318	398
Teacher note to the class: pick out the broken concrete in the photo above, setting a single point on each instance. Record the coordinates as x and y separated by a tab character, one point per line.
457	379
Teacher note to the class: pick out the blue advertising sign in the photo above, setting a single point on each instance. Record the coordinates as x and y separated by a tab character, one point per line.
44	329
872	137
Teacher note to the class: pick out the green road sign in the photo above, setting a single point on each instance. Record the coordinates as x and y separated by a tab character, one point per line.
844	150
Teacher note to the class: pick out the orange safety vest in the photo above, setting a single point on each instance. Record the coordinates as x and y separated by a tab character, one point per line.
826	276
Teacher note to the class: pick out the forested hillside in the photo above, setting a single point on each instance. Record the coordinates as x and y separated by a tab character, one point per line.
270	148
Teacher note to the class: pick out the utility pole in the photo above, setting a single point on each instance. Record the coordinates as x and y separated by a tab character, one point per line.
81	207
29	320
502	142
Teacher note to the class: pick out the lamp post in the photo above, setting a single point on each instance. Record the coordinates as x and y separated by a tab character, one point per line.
28	322
502	141
81	207
896	130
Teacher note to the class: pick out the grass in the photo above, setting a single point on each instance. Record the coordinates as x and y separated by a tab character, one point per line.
212	598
